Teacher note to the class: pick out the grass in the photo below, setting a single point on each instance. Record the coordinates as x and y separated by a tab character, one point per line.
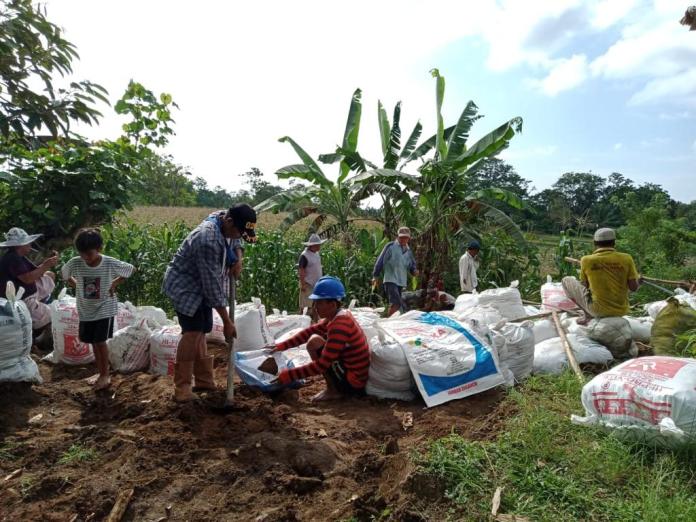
550	469
7	451
78	453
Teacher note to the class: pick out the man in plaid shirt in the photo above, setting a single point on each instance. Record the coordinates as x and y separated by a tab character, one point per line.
195	282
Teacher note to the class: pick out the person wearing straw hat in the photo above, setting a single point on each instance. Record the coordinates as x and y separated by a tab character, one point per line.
395	262
38	281
310	271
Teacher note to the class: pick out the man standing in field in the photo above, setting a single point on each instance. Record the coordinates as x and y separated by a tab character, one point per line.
468	264
195	282
396	261
606	276
310	271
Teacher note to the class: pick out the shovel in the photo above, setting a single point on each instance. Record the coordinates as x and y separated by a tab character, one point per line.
229	398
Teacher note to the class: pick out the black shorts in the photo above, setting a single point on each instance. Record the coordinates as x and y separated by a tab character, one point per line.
201	321
337	375
96	331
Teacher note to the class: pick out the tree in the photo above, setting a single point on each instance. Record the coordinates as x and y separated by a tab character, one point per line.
206	197
494	172
438	201
323	198
580	190
159	181
33	52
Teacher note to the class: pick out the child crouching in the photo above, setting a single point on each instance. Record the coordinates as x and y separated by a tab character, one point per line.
95	278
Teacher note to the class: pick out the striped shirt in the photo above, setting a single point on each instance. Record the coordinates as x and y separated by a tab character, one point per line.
93	284
345	342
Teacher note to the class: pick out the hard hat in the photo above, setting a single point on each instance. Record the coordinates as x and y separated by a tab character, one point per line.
328	287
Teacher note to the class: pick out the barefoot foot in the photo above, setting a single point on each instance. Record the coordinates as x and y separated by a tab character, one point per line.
102	383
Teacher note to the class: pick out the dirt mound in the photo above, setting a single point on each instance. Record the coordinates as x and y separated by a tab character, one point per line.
272	459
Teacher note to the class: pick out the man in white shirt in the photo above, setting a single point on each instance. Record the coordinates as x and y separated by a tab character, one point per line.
310	271
468	264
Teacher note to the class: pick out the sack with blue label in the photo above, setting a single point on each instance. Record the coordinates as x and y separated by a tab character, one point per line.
247	365
448	359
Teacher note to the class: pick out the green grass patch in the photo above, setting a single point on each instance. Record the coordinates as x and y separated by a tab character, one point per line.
7	451
78	453
550	469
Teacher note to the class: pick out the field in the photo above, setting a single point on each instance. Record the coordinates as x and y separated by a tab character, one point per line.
67	453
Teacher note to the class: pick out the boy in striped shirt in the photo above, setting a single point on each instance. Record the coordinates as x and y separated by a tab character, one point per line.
95	278
336	344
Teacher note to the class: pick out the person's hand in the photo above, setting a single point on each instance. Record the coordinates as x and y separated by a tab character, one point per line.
229	330
112	288
271	348
375	282
51	275
50	262
283	377
72	283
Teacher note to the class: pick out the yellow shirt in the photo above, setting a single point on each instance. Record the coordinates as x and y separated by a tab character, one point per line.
608	272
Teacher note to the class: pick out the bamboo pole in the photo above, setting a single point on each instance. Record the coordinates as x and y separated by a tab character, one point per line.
685	284
566	345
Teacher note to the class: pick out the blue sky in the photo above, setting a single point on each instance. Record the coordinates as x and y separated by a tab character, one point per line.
603	85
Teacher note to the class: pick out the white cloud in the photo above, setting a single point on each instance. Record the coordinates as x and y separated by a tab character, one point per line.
669	116
609	12
565	74
618	146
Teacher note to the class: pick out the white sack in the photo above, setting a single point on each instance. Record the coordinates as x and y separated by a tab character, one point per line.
163	344
507	301
640	327
448	361
465	301
252	330
553	297
217	334
65	324
550	357
486	315
129	349
654	308
648	398
390	375
518	355
532	310
125	315
16	364
278	324
614	333
128	315
544	329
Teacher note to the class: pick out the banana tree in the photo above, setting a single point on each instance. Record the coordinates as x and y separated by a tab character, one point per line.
323	198
437	201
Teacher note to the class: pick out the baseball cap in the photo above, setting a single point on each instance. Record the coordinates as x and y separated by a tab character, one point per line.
244	218
404	232
605	234
474	245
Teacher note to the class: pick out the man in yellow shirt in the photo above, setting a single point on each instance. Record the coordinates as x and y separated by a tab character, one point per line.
606	276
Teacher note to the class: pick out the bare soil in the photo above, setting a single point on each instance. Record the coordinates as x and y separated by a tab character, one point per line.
275	458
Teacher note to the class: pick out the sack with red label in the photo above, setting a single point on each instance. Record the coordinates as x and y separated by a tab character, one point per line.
651	398
65	324
163	345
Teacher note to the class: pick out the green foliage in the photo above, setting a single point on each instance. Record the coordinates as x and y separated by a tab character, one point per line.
566	248
150	115
33	53
685	343
78	453
504	259
551	469
68	184
160	182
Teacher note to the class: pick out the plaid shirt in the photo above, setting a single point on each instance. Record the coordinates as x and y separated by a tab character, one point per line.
196	275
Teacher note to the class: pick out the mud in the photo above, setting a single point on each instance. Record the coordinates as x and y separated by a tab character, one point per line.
272	459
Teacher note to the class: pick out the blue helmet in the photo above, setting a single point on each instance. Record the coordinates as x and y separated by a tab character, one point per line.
474	245
328	287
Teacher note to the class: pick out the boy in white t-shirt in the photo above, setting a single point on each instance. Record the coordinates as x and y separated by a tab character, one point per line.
95	278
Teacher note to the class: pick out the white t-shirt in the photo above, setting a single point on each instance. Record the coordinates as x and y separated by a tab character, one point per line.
93	283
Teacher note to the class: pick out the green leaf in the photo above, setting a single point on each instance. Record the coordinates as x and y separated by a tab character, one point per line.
498	217
490	145
391	158
426	146
498	194
383	122
319	177
330	158
457	140
350	135
412	141
440	144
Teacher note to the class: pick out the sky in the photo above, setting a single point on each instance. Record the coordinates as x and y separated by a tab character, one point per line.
602	85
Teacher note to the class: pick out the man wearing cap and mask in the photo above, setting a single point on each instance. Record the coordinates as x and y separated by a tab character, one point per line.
310	271
606	276
195	282
396	261
38	281
468	264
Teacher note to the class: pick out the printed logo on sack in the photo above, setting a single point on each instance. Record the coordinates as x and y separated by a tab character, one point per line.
484	366
662	366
